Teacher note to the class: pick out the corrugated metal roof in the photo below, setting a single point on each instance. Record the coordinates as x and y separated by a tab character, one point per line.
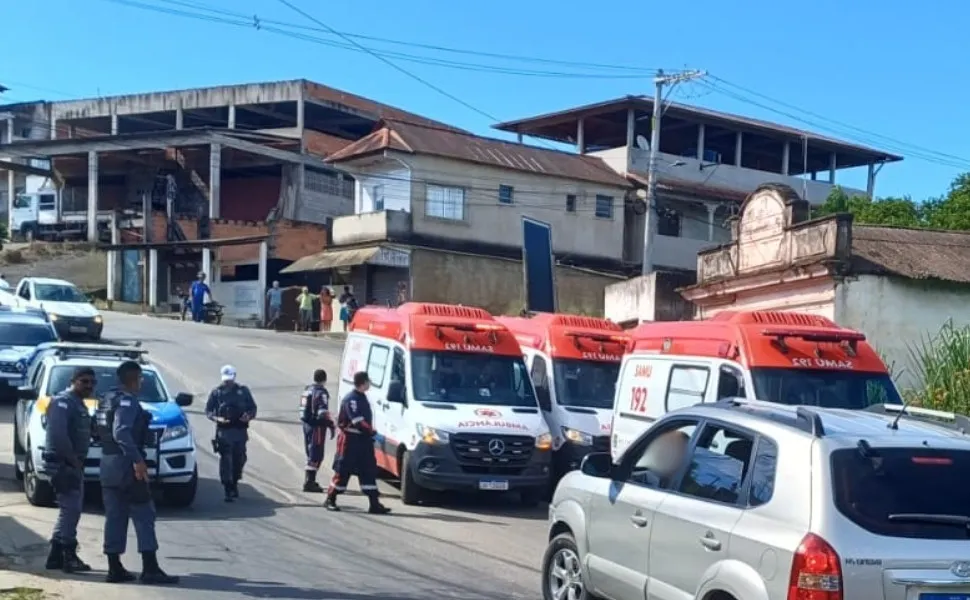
330	259
912	253
413	138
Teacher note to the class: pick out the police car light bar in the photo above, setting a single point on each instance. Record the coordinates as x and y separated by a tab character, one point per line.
100	350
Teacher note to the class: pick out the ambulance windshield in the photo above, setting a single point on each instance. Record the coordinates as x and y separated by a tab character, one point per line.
471	378
585	383
825	388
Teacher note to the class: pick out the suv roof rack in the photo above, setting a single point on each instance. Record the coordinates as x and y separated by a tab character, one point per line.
950	420
72	350
804	419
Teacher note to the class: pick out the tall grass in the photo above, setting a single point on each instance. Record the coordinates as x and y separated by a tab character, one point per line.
941	364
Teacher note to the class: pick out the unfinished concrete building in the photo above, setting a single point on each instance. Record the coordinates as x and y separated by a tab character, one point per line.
202	166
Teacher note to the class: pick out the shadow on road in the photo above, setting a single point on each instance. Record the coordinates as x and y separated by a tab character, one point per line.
489	505
275	589
21	548
6	410
209	504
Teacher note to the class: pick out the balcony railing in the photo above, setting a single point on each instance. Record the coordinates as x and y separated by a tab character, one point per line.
376	226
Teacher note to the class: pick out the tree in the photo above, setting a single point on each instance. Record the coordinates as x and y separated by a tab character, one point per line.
951	211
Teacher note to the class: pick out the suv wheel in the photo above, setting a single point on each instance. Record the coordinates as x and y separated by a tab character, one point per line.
562	573
38	492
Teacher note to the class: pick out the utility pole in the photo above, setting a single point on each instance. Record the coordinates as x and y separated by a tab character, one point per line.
650	217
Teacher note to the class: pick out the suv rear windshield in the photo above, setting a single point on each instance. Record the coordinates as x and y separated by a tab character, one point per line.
828	388
904	492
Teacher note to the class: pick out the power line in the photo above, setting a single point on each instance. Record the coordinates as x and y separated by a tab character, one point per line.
511	57
255	22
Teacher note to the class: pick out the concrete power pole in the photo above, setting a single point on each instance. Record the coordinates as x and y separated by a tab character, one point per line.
650	217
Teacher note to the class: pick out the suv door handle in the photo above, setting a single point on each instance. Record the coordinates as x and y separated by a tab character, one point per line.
710	542
638	519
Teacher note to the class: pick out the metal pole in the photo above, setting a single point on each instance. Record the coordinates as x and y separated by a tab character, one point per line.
649	217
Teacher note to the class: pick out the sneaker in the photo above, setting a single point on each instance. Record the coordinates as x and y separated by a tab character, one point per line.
331	505
378	509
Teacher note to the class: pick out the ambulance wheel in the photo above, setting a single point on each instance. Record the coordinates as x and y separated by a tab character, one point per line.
411	492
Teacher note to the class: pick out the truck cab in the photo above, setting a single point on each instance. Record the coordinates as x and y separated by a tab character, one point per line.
31	210
42	213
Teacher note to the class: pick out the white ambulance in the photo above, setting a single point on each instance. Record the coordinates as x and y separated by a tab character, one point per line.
454	408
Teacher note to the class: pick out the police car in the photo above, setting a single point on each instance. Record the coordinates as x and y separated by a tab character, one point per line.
171	456
22	330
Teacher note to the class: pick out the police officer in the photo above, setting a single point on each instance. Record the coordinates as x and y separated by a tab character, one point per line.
231	407
315	414
123	430
355	448
66	447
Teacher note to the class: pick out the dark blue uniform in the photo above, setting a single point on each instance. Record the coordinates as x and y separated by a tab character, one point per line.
315	415
231	401
123	432
355	447
67	439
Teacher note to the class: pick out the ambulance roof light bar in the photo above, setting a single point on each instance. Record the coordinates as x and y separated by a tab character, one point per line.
491	329
848	339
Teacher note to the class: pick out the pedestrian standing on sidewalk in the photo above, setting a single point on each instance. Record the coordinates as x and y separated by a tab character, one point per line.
305	302
274	299
326	309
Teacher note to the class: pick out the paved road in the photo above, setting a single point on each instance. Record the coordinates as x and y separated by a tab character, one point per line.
278	542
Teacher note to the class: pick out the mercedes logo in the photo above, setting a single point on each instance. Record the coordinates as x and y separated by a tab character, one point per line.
496	447
961	568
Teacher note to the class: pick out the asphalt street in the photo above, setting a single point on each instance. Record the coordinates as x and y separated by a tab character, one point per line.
277	541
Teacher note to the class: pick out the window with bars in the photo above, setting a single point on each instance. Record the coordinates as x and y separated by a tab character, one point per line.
328	183
571	203
444	202
505	194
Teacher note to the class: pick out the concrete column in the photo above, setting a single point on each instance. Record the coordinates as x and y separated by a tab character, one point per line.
53	127
179	116
711	209
232	116
114	124
871	180
215	176
700	142
631	128
113	256
518	137
738	147
11	192
92	196
152	278
301	120
833	158
263	275
581	136
207	264
785	158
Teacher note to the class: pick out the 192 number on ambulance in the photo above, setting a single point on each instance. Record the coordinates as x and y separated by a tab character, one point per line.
638	400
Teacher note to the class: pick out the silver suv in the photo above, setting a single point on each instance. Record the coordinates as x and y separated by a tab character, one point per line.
748	500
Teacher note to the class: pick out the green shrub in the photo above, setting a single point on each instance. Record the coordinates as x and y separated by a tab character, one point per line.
941	364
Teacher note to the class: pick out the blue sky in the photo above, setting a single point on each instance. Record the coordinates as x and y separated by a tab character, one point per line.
864	63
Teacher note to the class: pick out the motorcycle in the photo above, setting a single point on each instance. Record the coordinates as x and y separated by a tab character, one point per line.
211	311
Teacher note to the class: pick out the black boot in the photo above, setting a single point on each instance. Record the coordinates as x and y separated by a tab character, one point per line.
228	492
72	562
376	508
116	572
310	483
55	560
152	574
235	489
331	503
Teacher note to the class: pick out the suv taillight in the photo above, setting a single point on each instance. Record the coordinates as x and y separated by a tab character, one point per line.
816	571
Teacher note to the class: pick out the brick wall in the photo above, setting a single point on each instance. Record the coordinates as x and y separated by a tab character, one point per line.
249	198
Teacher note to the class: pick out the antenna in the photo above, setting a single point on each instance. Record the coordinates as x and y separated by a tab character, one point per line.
642	143
895	424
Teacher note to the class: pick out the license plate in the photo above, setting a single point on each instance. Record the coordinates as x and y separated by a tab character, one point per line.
944	597
495	485
76	329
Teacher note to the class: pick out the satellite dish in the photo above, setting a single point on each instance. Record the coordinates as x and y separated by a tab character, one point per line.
642	143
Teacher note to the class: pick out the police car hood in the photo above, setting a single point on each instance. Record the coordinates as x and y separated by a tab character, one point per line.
70	309
10	354
477	418
594	421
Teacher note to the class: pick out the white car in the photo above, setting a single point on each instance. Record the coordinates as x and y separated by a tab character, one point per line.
73	315
171	455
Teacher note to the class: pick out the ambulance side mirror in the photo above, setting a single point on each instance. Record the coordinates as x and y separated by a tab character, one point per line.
396	392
